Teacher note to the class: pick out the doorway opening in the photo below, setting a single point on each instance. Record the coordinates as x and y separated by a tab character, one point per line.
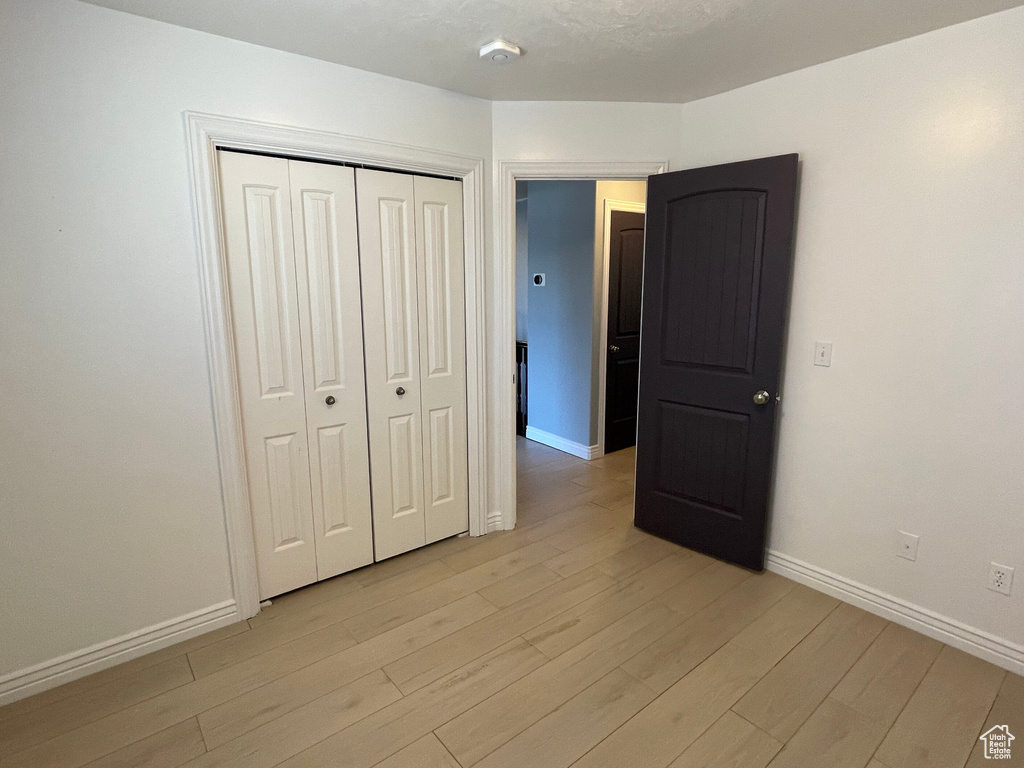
579	267
509	173
716	288
579	264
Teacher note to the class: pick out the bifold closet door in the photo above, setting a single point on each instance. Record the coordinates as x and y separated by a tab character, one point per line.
410	238
330	329
292	257
442	309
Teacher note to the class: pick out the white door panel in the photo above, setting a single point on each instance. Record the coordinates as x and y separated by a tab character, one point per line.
442	355
323	205
391	337
261	275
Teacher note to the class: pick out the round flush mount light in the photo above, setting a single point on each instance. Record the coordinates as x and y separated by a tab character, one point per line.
500	52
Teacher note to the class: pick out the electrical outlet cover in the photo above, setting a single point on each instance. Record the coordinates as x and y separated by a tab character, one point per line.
1000	578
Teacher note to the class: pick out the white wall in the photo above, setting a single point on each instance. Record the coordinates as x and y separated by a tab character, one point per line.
556	130
910	259
110	510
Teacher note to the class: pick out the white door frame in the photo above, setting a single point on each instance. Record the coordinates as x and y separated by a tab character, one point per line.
602	356
503	475
207	133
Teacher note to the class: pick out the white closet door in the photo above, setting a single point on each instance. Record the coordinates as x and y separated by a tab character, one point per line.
327	265
391	335
410	239
442	356
264	306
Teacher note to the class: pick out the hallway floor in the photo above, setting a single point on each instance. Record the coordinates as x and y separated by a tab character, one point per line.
574	640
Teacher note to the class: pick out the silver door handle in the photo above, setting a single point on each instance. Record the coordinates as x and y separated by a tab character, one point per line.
762	397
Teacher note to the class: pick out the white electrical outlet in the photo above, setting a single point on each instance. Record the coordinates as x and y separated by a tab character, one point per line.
1000	578
823	353
906	545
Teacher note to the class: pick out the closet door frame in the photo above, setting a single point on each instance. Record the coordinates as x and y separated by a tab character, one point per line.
208	133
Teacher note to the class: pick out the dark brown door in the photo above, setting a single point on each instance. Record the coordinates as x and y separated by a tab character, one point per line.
625	282
716	288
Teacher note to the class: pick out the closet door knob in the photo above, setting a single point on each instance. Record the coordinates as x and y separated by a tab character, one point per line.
330	400
400	391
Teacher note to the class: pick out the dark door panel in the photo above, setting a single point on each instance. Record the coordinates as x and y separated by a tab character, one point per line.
625	294
716	285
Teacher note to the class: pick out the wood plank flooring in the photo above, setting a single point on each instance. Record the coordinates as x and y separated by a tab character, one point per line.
574	640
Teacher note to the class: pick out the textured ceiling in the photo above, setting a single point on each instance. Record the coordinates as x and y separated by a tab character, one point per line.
579	50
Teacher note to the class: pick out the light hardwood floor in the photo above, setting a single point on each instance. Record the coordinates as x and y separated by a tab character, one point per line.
573	640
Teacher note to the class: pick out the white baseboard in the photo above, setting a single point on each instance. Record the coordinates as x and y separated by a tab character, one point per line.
587	452
976	642
495	521
63	669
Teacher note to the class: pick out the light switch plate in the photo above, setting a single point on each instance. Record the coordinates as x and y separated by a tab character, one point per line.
823	353
906	545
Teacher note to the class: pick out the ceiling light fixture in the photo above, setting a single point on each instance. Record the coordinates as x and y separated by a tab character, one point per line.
500	52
